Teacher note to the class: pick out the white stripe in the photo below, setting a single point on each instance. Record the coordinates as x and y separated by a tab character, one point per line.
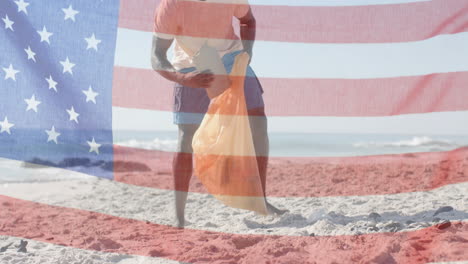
307	215
425	124
444	53
330	2
316	2
52	253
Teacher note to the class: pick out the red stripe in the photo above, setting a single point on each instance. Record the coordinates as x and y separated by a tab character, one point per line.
344	24
95	231
145	89
322	176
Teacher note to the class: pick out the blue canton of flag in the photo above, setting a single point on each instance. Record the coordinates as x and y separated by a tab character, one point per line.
56	67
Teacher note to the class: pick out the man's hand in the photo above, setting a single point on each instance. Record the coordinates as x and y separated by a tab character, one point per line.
249	51
220	84
197	79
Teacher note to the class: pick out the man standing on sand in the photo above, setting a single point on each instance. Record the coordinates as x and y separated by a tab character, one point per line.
192	24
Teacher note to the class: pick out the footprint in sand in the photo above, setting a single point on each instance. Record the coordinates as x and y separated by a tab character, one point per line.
209	224
286	220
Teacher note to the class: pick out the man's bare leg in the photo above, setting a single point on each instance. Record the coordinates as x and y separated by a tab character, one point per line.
259	128
182	167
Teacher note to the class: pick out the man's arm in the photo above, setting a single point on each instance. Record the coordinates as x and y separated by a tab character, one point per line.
247	31
161	64
159	59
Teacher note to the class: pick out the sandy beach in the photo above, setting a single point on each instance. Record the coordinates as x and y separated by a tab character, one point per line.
370	210
317	176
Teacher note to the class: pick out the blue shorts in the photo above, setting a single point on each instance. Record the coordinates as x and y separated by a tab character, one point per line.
191	104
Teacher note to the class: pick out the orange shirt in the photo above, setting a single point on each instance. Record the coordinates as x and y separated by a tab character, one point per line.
192	23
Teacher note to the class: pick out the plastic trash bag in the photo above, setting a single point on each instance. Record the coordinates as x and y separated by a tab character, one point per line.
223	149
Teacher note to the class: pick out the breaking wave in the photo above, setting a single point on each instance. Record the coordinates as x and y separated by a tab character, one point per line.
423	141
155	144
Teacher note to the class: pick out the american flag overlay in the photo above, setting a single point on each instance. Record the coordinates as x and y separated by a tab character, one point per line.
368	98
57	84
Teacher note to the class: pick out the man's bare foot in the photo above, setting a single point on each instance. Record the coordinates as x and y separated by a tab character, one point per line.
182	223
273	210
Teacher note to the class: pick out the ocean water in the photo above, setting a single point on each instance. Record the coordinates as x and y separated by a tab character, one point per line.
281	145
314	144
